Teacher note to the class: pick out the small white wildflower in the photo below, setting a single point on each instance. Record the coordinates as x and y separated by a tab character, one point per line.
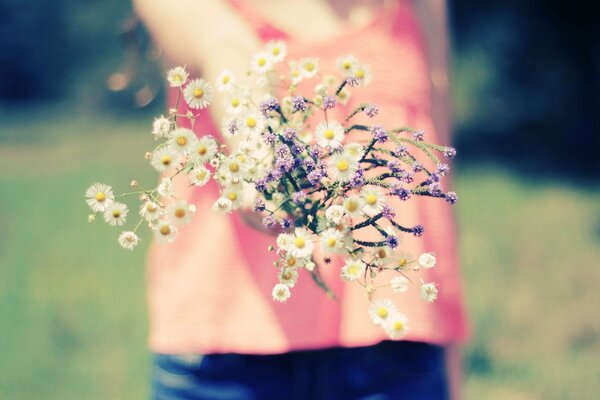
427	260
381	310
128	240
177	76
161	127
164	231
116	214
198	93
353	270
281	293
225	81
335	213
399	284
429	292
396	326
277	50
223	205
99	196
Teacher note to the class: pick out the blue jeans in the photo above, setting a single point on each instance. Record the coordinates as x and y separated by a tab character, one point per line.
388	370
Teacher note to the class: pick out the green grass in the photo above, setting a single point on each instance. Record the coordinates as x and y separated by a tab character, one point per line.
72	304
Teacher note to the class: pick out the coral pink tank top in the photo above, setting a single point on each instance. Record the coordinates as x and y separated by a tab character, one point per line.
210	290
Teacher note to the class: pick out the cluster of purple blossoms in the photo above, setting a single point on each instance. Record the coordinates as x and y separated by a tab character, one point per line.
388	212
269	138
259	205
392	241
371	110
309	164
233	128
418	135
299	104
442	169
315	176
284	161
451	197
406	176
269	105
394	166
400	191
379	134
352	81
261	184
449	152
287	224
358	180
296	150
289	133
269	222
315	151
329	102
418	230
417	166
299	197
435	188
400	151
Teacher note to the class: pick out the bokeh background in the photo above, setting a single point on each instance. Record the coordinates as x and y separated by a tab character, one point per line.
76	105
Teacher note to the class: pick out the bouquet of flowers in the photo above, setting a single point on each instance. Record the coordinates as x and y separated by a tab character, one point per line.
322	183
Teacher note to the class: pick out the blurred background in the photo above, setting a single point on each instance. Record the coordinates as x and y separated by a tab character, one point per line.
75	100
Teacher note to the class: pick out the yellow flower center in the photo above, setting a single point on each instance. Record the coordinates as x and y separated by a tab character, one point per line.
261	62
360	73
201	175
342	165
177	78
352	205
287	275
309	66
100	197
150	207
353	269
295	73
300	242
276	51
291	261
398	326
382	312
180	213
165	230
233	167
343	94
381	253
232	196
202	150
329	134
402	262
235	102
331	242
116	213
346	65
250	122
198	93
371	199
182	140
165	160
225	79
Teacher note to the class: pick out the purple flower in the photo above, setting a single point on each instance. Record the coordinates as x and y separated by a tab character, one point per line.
309	164
287	224
315	151
289	133
394	166
435	188
269	105
299	104
352	81
407	177
417	166
400	151
269	138
261	185
269	222
358	179
434	177
449	152
233	127
296	149
392	241
418	135
259	205
329	102
388	212
451	197
299	197
400	191
379	133
315	176
371	110
442	169
418	230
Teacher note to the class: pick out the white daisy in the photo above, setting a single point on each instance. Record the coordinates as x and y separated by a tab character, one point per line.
233	193
347	63
427	260
330	134
165	187
236	103
277	50
253	123
374	199
205	148
128	240
302	246
281	292
164	231
332	241
177	76
223	205
288	276
165	159
353	205
429	292
261	63
335	213
363	73
296	75
354	149
396	326
161	127
285	241
99	196
182	140
116	214
150	211
180	212
399	284
225	81
198	93
200	175
381	311
382	255
353	270
293	262
309	67
342	167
